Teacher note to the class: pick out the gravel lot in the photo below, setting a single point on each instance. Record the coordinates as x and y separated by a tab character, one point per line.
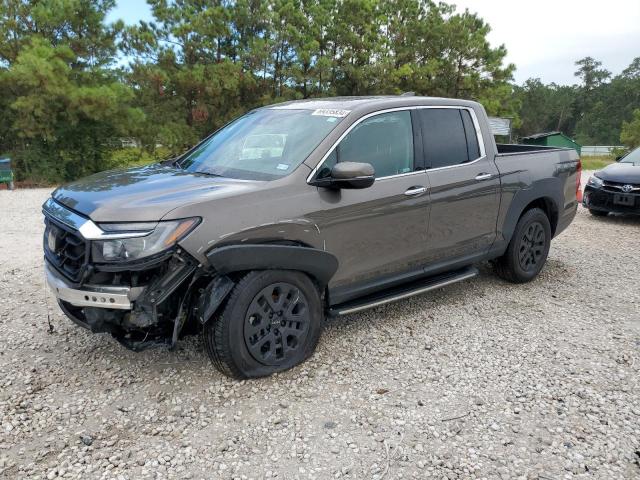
479	380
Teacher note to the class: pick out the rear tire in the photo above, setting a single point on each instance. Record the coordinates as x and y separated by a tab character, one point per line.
271	322
598	213
528	249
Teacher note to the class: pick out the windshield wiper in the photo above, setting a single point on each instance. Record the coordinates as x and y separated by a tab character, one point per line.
209	174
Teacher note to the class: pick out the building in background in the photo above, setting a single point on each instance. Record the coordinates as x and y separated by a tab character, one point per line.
501	127
552	139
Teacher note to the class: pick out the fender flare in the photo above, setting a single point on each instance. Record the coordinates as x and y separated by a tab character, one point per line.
212	297
548	190
319	264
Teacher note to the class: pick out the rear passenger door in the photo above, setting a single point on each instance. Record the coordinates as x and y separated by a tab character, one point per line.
464	193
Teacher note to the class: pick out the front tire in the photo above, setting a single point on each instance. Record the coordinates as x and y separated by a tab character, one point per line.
528	249
271	322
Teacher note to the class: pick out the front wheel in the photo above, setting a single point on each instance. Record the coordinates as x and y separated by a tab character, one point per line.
528	249
271	322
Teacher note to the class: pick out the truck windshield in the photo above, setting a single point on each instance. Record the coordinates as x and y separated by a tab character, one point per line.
264	144
633	157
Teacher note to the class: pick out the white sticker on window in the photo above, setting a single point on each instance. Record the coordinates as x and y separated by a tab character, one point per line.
282	166
331	112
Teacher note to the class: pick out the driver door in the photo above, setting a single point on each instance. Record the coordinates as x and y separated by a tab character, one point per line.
378	233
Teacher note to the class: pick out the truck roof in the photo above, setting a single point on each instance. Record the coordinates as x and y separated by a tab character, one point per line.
368	103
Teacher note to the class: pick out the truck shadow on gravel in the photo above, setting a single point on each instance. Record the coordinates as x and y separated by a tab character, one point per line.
429	310
467	295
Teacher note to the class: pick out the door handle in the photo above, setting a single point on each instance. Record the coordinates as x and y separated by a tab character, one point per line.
484	176
417	190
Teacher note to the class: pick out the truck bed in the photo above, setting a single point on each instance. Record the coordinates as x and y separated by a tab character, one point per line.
511	149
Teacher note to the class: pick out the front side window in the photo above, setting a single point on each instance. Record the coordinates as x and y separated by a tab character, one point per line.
449	137
385	141
262	145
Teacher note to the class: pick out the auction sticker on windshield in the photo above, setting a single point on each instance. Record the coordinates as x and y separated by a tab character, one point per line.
331	112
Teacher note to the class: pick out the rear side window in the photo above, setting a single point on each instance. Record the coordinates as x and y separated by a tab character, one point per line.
385	141
449	137
472	137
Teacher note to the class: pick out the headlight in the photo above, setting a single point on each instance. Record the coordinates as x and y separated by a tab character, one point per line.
595	182
164	236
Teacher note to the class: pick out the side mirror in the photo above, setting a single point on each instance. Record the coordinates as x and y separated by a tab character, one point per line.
348	175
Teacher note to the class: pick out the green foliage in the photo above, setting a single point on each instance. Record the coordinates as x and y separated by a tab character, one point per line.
590	73
201	64
67	107
630	134
592	112
545	108
134	157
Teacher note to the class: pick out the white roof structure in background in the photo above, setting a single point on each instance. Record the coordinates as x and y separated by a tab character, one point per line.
500	126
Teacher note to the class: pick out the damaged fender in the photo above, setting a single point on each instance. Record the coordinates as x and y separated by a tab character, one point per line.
318	264
212	296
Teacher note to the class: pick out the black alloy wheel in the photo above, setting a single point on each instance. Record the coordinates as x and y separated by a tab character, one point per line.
270	322
528	248
532	245
276	323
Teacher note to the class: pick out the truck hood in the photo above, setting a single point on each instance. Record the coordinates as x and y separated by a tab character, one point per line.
621	172
144	194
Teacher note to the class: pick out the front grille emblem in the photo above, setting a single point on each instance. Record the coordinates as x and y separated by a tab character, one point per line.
627	188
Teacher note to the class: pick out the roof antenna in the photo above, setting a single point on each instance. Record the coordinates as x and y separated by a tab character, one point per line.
408	94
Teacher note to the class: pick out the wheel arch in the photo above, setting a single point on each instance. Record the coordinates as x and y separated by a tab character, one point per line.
546	195
318	264
227	262
549	207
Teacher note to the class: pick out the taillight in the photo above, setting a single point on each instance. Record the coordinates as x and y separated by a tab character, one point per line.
579	181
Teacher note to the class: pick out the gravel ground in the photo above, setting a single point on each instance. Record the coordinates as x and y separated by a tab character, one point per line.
482	379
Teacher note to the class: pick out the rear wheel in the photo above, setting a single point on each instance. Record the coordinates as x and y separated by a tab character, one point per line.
598	213
271	322
528	249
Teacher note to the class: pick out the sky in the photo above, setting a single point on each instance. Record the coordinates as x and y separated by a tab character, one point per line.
544	38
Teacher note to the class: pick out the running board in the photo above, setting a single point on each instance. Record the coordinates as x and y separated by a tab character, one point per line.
403	291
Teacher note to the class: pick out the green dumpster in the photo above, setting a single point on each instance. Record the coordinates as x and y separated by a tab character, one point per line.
6	174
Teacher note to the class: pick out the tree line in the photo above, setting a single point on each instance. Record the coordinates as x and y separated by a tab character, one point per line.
600	110
73	87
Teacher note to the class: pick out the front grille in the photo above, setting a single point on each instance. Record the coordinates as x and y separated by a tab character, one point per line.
65	249
617	187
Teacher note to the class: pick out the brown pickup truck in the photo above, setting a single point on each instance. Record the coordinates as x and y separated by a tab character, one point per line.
298	211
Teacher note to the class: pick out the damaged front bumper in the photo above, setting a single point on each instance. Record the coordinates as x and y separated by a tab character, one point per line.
139	317
119	298
142	302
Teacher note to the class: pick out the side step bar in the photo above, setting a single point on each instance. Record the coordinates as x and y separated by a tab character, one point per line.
403	291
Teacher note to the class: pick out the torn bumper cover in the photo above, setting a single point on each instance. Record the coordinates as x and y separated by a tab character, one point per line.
119	298
141	300
138	317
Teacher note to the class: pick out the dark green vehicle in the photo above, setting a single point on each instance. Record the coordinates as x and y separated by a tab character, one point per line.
299	211
6	174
